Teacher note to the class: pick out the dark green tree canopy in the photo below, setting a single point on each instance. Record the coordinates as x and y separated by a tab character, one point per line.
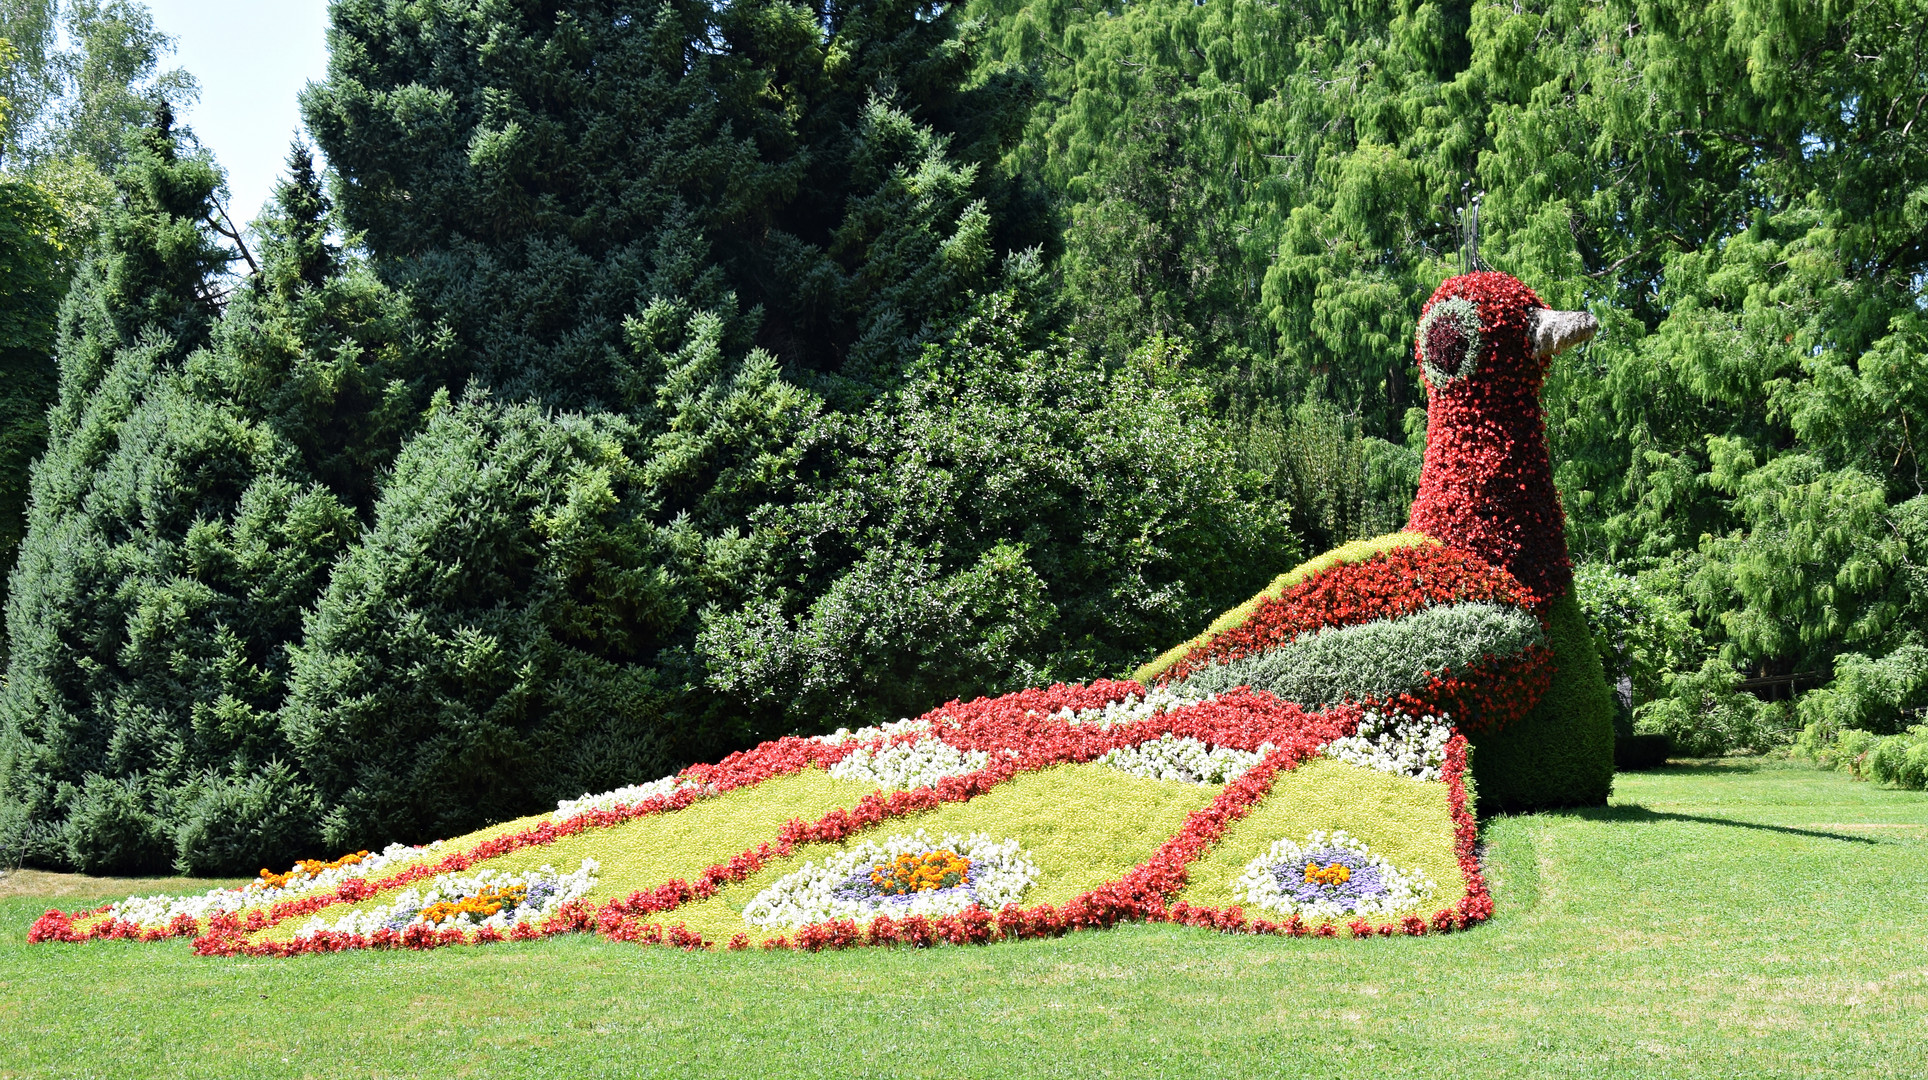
534	173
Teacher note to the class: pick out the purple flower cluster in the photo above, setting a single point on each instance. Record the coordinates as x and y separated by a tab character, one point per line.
1364	882
860	886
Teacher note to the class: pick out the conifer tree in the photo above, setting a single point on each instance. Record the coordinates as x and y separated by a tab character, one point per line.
532	174
173	543
30	282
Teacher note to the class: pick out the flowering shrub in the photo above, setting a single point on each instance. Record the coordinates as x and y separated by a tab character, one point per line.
485	900
634	795
1156	701
1330	876
1390	742
1186	760
876	732
908	764
1487	485
169	916
895	878
307	869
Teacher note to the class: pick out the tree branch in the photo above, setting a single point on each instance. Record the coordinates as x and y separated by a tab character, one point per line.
233	234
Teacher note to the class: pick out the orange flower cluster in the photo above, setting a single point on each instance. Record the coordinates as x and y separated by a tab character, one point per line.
482	905
1336	874
309	868
939	869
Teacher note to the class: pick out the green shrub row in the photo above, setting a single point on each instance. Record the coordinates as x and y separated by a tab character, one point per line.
1899	760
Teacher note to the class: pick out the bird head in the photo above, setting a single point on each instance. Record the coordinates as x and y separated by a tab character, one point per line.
1488	327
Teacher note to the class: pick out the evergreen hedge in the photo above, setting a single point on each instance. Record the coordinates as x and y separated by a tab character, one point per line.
1561	753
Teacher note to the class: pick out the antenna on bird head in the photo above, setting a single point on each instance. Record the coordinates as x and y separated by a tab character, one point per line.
1469	259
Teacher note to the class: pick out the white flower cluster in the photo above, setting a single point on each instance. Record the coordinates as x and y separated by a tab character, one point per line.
1412	746
1157	700
544	891
155	912
909	764
621	797
1187	760
1388	891
999	875
877	732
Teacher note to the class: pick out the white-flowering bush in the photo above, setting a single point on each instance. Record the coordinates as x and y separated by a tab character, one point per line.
1330	876
621	797
843	886
1412	746
520	898
155	912
909	764
1184	759
876	732
1157	701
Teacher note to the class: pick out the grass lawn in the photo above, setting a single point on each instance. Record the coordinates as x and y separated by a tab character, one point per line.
1730	919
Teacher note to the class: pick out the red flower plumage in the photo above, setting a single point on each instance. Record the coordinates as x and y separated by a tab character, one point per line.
1487	485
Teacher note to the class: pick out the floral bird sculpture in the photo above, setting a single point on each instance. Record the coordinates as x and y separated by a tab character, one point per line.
1469	613
1340	700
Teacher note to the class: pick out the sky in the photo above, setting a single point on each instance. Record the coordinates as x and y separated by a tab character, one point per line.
252	57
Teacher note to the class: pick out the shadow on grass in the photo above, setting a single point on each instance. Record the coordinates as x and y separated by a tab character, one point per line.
1704	767
1641	815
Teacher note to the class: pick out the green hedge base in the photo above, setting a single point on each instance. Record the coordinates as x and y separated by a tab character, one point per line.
1631	753
1562	753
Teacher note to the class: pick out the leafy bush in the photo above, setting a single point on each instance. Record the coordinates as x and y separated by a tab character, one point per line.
1705	714
1012	514
1643	629
1878	695
490	643
1901	760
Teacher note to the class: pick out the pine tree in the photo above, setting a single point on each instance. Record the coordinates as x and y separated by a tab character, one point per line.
30	284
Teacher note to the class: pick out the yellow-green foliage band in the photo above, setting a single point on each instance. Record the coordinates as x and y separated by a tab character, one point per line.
1408	821
648	851
1357	551
1081	825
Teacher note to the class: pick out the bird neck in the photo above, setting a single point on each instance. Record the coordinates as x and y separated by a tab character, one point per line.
1487	484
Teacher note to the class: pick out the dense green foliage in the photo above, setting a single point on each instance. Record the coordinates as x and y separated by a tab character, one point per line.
76	80
311	559
537	173
29	297
1736	191
698	372
1561	753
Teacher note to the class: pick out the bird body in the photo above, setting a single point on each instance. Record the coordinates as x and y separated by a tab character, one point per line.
1468	613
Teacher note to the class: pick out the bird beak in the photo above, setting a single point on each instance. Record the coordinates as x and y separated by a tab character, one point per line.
1553	332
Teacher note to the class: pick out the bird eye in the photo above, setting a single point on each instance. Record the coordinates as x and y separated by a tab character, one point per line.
1449	341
